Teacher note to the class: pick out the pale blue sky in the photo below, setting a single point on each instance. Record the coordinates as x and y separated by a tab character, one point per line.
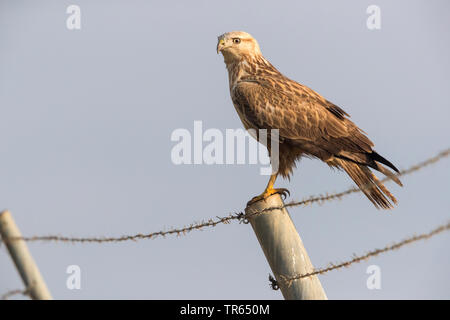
86	118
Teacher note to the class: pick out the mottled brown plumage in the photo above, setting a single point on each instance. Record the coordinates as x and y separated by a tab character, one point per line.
309	125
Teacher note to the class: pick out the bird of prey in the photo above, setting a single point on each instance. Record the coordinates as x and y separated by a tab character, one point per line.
309	125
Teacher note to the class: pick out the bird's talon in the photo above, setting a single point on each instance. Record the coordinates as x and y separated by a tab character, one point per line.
283	192
266	194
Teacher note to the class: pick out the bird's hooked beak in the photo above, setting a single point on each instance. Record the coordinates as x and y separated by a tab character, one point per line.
220	45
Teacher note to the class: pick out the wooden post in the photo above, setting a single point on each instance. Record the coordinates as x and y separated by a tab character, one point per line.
284	249
22	258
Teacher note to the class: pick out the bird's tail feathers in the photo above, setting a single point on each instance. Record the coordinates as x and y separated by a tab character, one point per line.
389	174
369	183
373	160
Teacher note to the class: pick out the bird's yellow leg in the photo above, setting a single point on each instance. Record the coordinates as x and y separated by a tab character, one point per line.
270	190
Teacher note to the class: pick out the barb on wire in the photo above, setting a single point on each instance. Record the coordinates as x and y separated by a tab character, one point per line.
11	293
273	283
240	216
356	259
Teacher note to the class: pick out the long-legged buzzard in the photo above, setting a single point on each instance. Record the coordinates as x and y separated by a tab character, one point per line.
308	124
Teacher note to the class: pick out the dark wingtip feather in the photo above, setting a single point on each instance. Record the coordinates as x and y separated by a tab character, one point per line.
376	157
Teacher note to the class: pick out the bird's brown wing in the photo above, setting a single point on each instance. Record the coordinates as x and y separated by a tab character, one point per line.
300	114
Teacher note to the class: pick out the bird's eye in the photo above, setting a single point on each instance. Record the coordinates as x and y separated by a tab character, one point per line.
236	40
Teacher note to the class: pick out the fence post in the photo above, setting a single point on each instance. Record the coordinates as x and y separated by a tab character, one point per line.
28	270
284	249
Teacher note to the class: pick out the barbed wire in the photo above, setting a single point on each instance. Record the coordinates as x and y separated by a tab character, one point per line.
239	216
134	237
356	259
12	293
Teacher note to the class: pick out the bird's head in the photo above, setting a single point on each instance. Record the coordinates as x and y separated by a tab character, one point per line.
237	45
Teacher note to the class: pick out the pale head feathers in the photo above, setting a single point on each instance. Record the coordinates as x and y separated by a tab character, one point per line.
237	45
